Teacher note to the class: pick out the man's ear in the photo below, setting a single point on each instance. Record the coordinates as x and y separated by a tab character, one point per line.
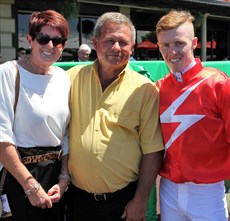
132	49
194	43
94	43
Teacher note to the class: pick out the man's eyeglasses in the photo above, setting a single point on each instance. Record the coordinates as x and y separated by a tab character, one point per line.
44	39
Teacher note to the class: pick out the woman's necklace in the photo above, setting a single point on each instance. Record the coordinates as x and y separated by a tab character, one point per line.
36	69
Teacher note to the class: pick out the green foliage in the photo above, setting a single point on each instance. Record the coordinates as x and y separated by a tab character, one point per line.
151	36
87	27
69	8
198	19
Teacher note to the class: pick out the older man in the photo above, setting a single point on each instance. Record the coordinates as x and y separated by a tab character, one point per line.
116	145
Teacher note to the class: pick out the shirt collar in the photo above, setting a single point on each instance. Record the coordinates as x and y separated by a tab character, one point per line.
120	75
178	75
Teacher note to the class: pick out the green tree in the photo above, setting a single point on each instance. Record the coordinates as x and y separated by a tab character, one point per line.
68	8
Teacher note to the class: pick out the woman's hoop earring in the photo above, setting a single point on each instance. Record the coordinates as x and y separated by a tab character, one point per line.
60	58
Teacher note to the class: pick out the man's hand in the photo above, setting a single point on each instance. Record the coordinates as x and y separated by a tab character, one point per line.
135	211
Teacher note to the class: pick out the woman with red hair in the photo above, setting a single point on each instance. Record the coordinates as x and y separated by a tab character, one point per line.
33	141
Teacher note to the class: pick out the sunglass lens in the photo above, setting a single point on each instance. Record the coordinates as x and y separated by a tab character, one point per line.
42	39
58	41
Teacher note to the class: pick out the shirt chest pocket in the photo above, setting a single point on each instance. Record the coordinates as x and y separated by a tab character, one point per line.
125	118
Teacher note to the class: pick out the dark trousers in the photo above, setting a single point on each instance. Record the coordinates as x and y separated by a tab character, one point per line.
21	208
82	206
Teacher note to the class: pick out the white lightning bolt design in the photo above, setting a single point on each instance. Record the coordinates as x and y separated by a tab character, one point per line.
186	120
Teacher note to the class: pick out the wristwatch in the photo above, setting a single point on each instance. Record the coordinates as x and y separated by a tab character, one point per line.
64	176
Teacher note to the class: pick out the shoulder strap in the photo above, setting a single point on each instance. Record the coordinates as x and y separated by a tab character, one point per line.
17	80
3	177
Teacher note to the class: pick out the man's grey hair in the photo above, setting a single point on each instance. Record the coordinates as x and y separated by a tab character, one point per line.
114	17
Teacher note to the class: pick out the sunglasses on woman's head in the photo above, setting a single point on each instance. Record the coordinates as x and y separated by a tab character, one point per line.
44	39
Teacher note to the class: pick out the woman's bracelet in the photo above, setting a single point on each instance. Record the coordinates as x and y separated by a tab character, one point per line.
34	189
